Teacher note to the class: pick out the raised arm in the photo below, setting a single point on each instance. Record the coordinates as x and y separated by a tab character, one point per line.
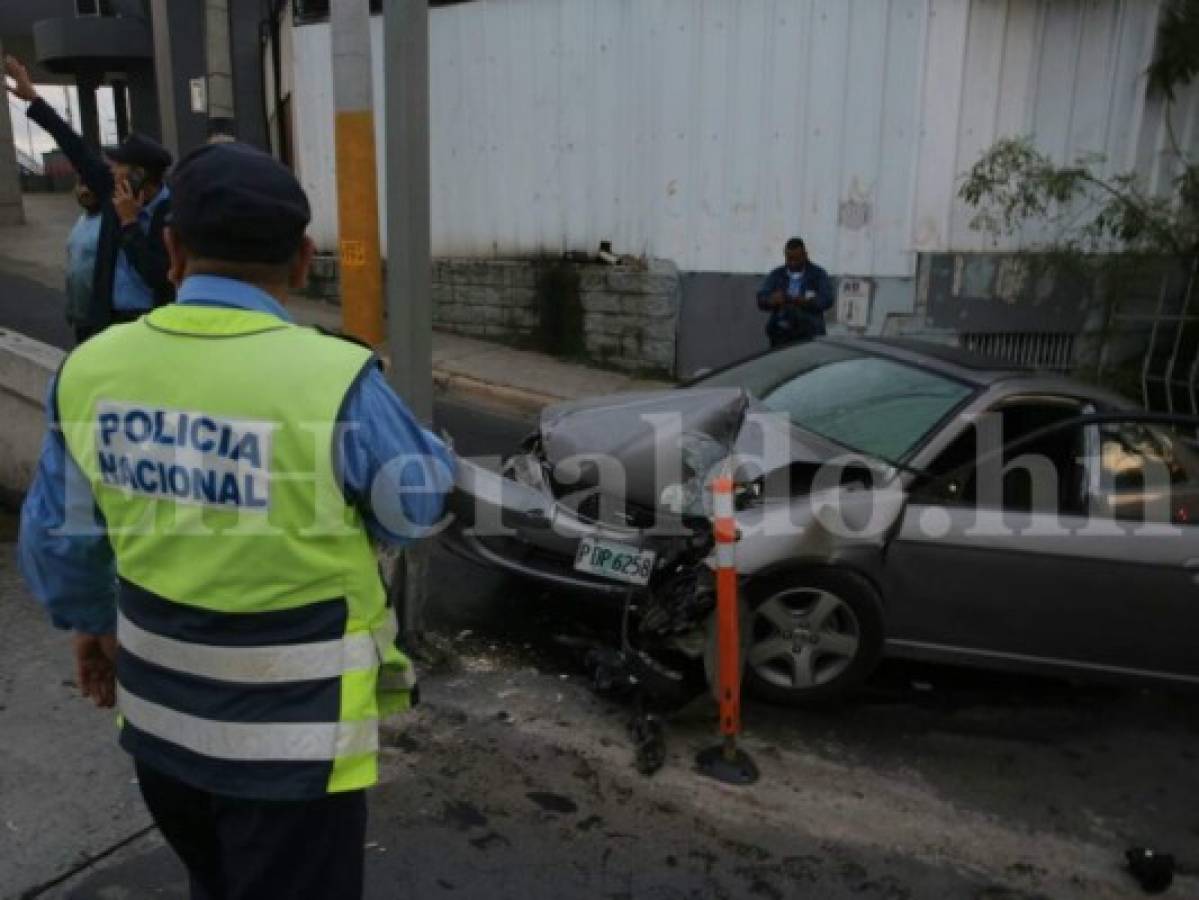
86	161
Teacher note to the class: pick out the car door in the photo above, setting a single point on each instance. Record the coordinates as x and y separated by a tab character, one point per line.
1141	553
1076	576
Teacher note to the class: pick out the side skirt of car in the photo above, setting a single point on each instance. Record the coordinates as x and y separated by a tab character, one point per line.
1017	662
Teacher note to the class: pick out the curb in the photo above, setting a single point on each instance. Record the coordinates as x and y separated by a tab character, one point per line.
519	401
26	367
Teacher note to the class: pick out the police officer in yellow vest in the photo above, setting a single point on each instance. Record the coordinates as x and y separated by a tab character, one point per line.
202	519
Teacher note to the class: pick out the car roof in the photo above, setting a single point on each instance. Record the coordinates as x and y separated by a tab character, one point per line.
978	369
966	365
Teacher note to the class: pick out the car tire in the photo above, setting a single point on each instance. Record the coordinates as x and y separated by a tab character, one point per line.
789	661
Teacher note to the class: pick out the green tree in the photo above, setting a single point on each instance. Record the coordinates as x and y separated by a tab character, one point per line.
1108	228
1014	183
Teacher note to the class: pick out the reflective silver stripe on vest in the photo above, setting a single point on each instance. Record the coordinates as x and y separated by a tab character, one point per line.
250	741
251	665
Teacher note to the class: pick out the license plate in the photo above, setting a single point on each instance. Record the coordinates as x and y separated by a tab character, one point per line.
619	562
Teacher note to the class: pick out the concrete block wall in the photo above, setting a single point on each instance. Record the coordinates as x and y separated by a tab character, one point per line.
629	312
627	315
631	315
488	299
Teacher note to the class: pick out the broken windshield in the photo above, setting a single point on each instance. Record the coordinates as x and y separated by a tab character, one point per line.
870	404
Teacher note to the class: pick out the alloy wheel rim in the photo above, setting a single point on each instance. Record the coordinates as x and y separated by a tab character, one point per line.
803	638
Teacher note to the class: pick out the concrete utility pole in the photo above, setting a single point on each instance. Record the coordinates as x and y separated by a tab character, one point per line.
357	184
86	85
120	106
12	209
409	266
164	70
221	121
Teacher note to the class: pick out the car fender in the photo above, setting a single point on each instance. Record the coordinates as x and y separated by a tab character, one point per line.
839	524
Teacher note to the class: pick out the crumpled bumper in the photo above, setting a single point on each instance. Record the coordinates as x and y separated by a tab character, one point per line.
501	522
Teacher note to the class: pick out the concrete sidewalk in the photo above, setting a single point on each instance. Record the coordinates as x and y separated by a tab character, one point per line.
519	381
37	250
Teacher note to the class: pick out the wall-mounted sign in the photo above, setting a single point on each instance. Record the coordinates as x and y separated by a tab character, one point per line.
853	302
854	214
199	94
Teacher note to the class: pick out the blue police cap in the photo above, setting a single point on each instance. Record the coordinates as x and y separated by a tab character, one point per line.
139	150
233	202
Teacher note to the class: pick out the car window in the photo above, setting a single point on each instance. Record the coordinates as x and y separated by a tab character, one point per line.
867	403
1040	468
1144	472
951	475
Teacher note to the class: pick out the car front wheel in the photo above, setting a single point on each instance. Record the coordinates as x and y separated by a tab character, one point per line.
811	635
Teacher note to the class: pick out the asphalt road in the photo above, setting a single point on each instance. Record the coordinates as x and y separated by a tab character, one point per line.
34	310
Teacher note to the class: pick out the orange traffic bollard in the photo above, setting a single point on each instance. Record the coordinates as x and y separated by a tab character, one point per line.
727	762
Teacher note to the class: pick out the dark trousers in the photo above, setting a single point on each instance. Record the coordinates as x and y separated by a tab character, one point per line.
237	849
784	339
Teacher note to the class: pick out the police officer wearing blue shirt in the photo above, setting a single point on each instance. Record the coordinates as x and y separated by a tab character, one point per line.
207	536
130	274
82	243
797	295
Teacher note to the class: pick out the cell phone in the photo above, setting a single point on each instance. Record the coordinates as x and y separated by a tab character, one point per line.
137	180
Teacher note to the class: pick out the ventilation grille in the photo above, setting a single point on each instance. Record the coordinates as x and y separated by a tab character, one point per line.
1031	350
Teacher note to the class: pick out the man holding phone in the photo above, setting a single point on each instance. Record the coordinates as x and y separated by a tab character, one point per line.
130	276
796	295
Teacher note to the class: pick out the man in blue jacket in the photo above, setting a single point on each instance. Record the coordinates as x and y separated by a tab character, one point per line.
796	295
130	276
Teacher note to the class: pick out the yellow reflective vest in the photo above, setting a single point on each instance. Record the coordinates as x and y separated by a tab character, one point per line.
257	646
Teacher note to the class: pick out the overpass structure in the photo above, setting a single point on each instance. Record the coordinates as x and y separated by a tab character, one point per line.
178	70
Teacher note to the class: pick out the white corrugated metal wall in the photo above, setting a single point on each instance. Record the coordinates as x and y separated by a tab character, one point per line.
707	131
1068	72
703	131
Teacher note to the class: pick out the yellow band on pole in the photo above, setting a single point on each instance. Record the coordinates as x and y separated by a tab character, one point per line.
358	227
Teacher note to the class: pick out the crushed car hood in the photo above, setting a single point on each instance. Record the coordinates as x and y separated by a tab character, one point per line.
665	437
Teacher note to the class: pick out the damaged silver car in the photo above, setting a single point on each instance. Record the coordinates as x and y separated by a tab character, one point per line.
892	498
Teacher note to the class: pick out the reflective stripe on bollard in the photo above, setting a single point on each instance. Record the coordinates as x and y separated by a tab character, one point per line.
727	627
726	762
